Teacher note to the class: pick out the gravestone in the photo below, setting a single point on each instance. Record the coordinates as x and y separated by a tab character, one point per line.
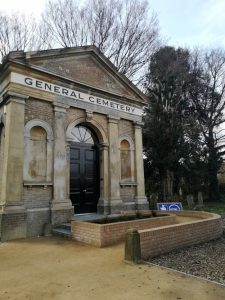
190	201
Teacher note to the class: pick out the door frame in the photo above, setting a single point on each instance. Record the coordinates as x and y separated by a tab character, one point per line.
82	146
97	128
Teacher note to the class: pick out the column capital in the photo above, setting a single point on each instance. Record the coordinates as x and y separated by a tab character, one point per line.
113	119
68	141
104	145
10	96
60	107
138	125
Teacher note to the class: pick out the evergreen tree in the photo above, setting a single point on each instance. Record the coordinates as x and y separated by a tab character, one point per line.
171	138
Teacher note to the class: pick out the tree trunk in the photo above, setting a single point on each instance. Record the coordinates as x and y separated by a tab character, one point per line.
167	185
213	192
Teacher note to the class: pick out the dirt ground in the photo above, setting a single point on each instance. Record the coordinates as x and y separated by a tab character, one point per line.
54	268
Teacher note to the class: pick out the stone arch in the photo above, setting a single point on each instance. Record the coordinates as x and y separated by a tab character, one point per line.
41	123
127	138
38	152
95	126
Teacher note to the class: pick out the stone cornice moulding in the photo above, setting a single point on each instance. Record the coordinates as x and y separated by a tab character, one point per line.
60	107
10	96
138	125
113	119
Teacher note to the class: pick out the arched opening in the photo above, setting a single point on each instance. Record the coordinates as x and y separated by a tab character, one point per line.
84	169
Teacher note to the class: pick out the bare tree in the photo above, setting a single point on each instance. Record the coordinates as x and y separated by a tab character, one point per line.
17	32
126	31
62	21
207	92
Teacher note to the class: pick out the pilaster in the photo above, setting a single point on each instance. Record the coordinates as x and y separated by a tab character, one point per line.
12	212
116	204
12	181
140	198
62	208
103	203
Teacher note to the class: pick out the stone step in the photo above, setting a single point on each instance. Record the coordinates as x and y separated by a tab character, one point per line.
65	226
63	230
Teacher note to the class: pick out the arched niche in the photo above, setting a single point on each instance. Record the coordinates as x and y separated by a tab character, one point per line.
126	147
38	152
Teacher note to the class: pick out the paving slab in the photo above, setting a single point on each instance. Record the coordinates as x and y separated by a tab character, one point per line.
54	268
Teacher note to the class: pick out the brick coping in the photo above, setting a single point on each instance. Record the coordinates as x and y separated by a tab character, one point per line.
161	240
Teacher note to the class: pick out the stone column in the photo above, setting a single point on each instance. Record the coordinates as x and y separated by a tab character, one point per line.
103	203
68	144
62	208
116	204
13	216
140	199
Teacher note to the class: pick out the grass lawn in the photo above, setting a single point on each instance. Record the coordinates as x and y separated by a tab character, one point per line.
214	207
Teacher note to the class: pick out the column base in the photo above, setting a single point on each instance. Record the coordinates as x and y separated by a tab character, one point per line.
61	212
141	203
129	206
38	222
103	207
13	223
116	206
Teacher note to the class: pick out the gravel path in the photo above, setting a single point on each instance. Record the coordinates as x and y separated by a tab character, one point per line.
205	260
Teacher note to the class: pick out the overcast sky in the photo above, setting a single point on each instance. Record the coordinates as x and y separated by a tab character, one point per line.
183	22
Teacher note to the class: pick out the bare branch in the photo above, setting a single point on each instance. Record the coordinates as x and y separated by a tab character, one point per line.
127	32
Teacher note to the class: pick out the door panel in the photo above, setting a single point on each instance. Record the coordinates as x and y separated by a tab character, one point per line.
84	177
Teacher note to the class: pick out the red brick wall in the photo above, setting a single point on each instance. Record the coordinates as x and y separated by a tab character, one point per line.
86	232
102	235
157	241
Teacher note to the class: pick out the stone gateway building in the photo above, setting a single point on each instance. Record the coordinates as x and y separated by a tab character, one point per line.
70	139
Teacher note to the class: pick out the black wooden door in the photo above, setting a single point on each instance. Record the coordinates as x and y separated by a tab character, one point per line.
84	177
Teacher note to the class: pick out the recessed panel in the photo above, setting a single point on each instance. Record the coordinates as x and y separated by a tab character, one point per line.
75	154
89	155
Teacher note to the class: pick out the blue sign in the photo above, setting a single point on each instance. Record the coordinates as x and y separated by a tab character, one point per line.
170	206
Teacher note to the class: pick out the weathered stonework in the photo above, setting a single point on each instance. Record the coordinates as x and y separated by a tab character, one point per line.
36	109
37	196
74	114
126	128
46	96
